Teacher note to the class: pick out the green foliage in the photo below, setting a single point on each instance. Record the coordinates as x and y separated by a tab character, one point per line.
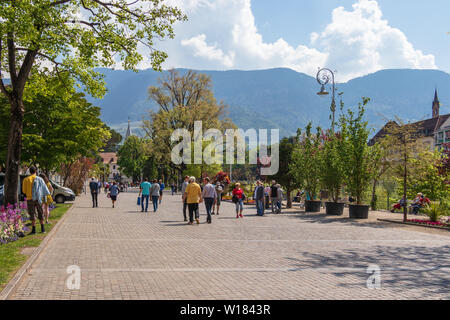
305	165
331	161
132	156
112	143
435	210
425	176
357	155
284	176
59	127
79	35
182	101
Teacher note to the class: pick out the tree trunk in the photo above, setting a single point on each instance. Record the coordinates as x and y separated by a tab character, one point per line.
373	201
289	198
14	149
405	208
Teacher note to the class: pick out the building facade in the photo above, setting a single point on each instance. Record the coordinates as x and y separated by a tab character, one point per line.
433	132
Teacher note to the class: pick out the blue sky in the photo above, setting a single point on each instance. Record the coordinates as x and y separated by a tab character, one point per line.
354	37
425	23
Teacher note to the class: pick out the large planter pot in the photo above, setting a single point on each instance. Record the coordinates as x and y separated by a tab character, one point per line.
358	211
312	206
334	208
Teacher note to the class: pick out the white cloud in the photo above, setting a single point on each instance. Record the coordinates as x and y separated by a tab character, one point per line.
361	42
222	34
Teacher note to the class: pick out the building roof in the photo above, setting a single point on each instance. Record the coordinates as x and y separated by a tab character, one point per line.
425	128
108	157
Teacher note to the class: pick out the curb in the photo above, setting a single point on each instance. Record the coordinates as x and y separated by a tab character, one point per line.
12	284
414	224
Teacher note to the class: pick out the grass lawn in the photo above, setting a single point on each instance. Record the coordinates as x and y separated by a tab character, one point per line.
11	258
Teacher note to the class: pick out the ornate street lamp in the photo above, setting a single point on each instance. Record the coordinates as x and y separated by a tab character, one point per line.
325	76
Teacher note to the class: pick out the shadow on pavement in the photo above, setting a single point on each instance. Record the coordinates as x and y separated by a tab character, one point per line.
407	268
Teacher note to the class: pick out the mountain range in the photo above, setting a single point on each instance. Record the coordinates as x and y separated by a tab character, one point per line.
283	98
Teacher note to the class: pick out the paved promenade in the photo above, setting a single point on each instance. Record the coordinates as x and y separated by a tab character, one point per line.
125	254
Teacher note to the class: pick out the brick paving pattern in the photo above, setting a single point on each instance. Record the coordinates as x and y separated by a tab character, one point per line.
125	254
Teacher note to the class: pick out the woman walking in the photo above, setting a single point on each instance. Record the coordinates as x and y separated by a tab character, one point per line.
239	196
154	192
113	192
49	200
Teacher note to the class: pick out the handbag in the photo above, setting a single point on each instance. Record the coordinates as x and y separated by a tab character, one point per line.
235	199
109	195
139	201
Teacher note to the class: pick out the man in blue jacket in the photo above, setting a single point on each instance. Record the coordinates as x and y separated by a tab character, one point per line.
93	186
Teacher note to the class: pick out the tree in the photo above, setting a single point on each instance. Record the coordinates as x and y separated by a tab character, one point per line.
426	178
284	176
331	163
74	37
403	145
113	142
358	157
59	127
132	156
182	100
76	173
304	167
380	164
100	170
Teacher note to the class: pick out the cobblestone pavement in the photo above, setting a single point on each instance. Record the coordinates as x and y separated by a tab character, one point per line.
125	254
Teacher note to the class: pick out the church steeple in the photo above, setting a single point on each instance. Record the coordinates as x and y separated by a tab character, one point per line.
435	105
128	130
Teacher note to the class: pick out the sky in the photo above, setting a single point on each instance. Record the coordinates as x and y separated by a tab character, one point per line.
353	37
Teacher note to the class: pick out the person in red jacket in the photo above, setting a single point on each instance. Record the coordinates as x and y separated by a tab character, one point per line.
239	196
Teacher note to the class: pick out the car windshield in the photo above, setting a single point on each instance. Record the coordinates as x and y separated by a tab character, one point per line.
55	184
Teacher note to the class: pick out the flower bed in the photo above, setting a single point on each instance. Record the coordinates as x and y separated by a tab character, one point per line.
442	223
12	222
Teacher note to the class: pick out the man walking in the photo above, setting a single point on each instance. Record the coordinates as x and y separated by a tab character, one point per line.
210	196
183	190
33	205
93	186
145	191
259	198
193	196
274	196
155	193
219	190
161	189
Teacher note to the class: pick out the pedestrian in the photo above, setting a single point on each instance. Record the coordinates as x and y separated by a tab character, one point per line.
32	204
209	195
145	192
106	187
155	193
48	200
193	196
172	187
93	186
113	192
279	198
161	188
267	197
259	198
183	190
219	191
100	184
274	196
238	199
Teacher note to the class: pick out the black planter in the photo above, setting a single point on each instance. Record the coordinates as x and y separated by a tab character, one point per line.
334	208
312	206
358	211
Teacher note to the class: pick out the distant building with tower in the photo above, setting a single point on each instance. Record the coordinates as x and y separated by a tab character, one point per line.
433	132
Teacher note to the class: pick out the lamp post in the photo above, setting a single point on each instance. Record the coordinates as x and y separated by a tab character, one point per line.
324	76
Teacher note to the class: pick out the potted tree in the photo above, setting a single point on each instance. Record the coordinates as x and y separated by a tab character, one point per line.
332	170
305	166
357	158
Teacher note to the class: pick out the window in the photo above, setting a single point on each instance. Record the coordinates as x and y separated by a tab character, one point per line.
114	167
